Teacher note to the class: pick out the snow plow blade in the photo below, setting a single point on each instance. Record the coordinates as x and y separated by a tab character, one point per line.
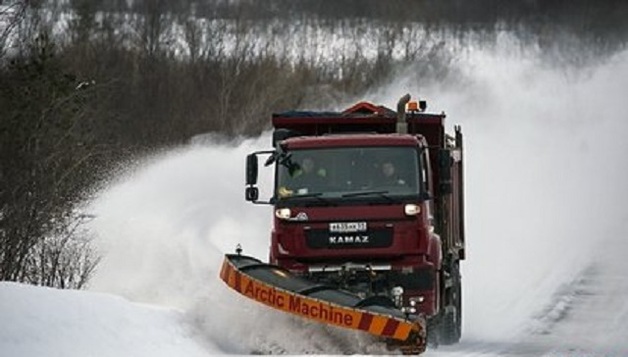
278	288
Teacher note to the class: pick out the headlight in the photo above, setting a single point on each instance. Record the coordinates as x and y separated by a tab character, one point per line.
412	209
283	213
416	300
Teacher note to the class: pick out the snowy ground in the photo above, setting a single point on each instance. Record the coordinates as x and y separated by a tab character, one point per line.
48	322
546	158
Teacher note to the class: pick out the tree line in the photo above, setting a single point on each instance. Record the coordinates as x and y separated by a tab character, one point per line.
120	79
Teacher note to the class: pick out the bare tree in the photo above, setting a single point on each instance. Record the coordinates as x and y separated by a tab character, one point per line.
64	258
10	15
151	26
47	158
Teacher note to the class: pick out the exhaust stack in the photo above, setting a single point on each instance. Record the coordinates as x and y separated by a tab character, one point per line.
402	126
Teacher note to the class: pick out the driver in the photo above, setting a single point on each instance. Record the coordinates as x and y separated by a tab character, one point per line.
307	178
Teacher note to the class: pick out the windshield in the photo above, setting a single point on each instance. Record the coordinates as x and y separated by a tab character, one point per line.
348	173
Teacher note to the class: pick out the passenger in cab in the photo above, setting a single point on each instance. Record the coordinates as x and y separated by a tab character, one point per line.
389	175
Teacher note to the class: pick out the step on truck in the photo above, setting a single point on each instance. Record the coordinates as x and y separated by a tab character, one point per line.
368	229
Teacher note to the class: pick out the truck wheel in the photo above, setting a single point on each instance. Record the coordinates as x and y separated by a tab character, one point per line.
433	332
451	324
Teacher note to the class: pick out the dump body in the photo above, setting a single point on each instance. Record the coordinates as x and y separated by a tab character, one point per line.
370	200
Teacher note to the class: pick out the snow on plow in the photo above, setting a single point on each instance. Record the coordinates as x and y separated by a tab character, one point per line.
278	288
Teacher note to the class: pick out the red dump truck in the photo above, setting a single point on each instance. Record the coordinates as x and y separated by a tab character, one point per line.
368	217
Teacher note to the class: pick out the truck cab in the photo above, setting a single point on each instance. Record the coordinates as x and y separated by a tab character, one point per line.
369	200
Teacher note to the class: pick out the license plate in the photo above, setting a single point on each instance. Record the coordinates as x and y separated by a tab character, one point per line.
347	227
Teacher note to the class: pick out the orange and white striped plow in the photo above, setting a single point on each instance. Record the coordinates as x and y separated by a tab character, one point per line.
269	288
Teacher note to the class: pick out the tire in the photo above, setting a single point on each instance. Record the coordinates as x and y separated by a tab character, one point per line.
433	333
451	323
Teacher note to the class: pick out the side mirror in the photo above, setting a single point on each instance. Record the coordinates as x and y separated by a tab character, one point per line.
444	169
251	193
251	170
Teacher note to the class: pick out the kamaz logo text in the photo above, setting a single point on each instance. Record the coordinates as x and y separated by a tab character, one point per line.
362	239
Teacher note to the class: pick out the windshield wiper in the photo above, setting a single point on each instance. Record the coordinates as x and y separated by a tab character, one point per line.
381	193
316	195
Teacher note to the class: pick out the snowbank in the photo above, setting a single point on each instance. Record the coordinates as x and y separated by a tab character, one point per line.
40	321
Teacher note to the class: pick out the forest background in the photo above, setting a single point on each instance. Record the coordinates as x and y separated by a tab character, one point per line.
89	86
